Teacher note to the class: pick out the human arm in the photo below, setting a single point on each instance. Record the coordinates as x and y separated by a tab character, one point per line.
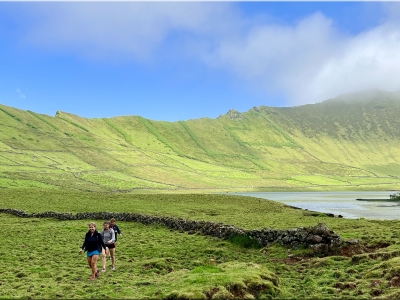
100	241
116	228
83	245
112	237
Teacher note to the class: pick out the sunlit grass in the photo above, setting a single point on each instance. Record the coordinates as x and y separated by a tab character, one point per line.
152	262
155	262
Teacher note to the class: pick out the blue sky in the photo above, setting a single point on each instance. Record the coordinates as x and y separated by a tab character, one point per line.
186	60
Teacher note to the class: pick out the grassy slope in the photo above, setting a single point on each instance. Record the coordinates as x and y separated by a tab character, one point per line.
350	142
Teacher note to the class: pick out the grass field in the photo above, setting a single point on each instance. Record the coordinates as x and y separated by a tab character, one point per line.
42	260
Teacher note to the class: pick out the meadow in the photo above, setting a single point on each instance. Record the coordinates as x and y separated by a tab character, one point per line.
41	260
71	164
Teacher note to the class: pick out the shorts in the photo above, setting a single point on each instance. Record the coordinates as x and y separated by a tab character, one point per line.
110	246
91	253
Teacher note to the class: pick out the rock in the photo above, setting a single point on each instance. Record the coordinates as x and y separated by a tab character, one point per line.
319	238
353	242
315	239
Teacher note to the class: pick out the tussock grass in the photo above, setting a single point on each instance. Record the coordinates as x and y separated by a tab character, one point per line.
154	262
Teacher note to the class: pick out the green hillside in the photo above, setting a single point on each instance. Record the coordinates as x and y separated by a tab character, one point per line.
347	143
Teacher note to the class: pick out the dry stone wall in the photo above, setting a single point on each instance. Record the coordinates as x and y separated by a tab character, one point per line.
320	237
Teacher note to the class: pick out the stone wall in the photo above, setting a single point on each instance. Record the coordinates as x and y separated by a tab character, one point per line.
319	238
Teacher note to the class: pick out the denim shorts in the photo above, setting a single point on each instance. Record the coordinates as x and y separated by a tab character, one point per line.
91	253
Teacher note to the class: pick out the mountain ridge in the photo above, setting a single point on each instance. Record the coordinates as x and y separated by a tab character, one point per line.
340	143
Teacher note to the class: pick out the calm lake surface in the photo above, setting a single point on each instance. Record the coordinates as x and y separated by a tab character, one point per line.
338	203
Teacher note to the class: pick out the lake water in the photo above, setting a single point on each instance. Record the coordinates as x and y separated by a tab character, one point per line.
338	203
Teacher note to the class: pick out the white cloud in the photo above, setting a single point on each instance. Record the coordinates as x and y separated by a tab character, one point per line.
20	94
369	60
306	62
312	61
131	30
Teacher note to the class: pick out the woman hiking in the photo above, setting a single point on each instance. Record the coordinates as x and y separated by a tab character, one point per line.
117	231
93	244
108	237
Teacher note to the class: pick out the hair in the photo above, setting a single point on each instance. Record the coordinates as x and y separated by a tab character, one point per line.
92	223
106	222
112	220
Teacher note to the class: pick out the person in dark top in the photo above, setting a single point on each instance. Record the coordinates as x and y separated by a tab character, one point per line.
117	231
115	227
93	244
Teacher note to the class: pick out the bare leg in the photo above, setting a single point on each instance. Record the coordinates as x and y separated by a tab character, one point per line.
112	253
95	258
103	258
89	260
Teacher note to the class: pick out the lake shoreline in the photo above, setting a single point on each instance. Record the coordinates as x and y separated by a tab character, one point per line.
338	203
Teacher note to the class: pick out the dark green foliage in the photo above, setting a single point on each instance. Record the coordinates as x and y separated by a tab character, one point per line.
126	136
10	114
194	137
245	241
235	137
282	131
42	119
73	123
163	140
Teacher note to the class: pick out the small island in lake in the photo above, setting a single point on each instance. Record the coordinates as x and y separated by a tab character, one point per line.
392	198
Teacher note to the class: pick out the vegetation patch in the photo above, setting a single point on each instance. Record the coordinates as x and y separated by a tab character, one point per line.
126	136
41	118
231	280
194	137
153	131
245	241
72	123
10	114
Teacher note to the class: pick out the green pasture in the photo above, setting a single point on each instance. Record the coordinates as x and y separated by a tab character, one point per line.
241	211
154	262
119	181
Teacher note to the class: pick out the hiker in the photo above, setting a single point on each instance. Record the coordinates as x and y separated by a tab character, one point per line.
116	230
93	244
108	236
